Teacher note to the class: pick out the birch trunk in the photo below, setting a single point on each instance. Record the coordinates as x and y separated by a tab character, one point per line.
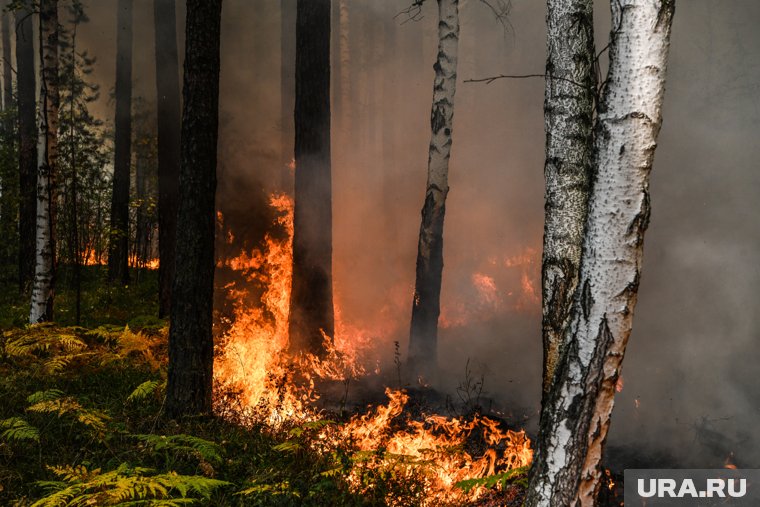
427	289
568	112
168	123
577	411
191	343
311	303
27	139
44	272
118	252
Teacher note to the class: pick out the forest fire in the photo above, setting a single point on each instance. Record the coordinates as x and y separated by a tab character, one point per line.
255	373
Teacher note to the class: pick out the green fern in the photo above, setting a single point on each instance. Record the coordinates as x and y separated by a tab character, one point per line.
205	449
54	401
146	389
124	486
17	429
502	480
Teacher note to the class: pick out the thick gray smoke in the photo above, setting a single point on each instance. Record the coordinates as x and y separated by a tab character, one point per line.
690	372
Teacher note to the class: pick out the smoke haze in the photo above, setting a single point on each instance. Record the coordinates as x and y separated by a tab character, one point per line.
691	365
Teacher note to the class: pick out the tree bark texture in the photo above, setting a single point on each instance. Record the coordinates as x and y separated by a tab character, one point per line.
427	289
576	413
168	111
26	84
7	68
568	118
311	302
288	10
191	344
44	271
118	254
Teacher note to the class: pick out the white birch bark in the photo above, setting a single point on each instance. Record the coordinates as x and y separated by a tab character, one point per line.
580	403
44	272
568	117
427	291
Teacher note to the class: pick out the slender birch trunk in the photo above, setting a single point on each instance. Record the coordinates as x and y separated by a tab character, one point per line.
44	272
168	123
27	142
427	290
118	252
568	118
577	411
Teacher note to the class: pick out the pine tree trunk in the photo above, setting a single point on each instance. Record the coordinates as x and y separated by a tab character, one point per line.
577	411
568	117
118	252
288	9
7	68
27	139
311	303
44	272
168	94
8	176
427	289
344	52
191	343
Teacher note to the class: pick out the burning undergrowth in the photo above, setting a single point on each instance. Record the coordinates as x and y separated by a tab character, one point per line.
451	459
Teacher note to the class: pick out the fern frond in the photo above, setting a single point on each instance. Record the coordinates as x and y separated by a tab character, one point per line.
17	429
146	389
48	395
205	449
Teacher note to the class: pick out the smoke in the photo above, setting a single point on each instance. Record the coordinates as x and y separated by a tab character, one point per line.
691	362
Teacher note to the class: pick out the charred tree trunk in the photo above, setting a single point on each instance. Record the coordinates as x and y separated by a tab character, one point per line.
118	252
27	141
311	301
568	118
288	9
167	88
427	288
44	271
191	344
576	413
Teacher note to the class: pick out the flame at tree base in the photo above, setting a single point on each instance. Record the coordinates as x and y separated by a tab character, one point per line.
261	382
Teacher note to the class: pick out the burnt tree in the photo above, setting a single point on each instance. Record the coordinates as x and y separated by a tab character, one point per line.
168	112
118	251
191	344
311	301
26	83
426	306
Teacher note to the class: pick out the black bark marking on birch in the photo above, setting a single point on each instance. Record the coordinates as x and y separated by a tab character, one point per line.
665	14
640	222
438	119
587	300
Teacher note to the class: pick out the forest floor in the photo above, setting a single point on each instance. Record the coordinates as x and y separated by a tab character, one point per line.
81	423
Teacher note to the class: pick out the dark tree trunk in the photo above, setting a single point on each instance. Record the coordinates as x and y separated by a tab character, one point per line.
118	252
288	10
7	69
311	301
27	139
167	87
423	337
191	344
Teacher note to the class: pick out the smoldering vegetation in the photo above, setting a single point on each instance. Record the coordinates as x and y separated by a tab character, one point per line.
690	392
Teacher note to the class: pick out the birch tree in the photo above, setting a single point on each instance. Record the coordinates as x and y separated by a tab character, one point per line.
312	315
44	271
118	252
427	289
191	343
168	123
27	143
576	412
568	112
